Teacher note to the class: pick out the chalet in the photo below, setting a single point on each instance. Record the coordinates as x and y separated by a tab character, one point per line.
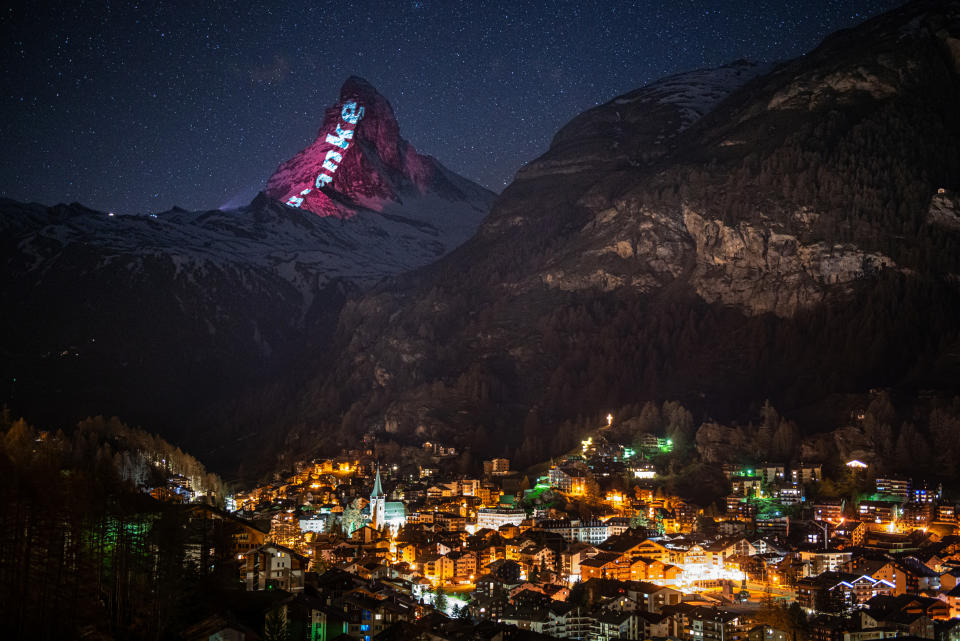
244	535
693	555
866	587
571	478
703	623
952	598
663	572
635	548
829	592
366	616
717	553
605	565
652	597
615	625
369	568
911	615
505	571
442	490
273	566
820	561
908	576
218	627
534	553
571	558
652	625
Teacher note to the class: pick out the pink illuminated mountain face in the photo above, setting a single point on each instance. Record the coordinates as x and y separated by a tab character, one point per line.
358	161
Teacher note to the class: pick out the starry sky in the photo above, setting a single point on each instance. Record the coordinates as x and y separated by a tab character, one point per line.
138	106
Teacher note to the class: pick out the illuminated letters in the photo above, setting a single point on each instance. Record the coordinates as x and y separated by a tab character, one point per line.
330	162
350	114
342	139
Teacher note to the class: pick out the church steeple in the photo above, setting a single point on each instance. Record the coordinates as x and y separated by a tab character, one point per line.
378	503
377	487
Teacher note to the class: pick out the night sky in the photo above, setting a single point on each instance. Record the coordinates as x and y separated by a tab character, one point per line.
130	106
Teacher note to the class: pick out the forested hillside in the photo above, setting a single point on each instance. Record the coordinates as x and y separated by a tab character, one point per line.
83	549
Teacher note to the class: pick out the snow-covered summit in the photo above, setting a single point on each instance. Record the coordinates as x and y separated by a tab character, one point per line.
386	210
638	126
359	160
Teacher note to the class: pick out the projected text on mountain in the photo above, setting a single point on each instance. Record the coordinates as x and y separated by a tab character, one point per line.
339	142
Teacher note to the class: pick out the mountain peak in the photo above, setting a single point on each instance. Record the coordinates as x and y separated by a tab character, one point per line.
358	160
357	87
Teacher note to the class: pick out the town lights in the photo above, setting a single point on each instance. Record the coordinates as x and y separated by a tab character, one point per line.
586	444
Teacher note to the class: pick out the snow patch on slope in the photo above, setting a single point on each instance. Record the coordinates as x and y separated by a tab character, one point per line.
695	93
303	249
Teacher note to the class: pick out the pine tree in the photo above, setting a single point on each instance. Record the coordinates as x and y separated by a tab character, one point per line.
18	441
275	627
440	600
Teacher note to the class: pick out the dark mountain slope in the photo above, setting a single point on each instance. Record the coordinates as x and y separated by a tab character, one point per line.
781	246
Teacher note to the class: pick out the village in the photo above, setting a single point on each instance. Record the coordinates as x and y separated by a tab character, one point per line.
380	547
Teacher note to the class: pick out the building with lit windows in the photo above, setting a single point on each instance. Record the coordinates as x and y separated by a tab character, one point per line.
828	510
570	478
496	517
895	487
924	492
275	567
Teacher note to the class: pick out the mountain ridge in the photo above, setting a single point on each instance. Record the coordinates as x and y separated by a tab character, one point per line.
164	317
759	253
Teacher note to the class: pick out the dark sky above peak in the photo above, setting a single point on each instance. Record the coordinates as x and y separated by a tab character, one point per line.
138	106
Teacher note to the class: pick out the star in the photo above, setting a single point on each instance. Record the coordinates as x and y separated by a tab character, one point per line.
130	107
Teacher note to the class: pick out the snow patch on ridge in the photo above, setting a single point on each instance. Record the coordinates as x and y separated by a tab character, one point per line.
696	93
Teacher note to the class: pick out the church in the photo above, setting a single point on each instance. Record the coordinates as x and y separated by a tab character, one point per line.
383	514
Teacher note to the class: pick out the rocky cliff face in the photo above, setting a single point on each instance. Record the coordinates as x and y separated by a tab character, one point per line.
715	443
760	268
718	237
945	210
649	214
